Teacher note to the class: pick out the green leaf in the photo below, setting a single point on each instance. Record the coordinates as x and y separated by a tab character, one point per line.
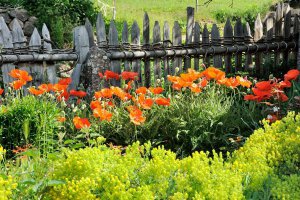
55	182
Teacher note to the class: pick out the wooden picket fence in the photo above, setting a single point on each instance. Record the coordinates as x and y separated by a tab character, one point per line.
272	48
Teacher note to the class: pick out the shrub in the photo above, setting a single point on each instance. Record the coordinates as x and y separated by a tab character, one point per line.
28	120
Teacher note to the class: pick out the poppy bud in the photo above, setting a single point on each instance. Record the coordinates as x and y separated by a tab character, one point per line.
176	69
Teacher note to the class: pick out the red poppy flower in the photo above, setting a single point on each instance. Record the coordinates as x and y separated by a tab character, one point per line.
203	82
145	103
141	90
1	91
35	92
129	75
80	123
79	94
251	97
156	90
291	75
163	101
59	88
65	81
95	104
64	95
100	75
264	85
111	75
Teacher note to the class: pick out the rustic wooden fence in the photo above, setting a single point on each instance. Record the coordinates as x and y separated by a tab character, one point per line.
273	47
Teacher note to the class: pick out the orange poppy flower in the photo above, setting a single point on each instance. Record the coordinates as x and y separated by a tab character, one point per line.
162	101
129	75
195	89
136	115
176	86
231	82
95	104
46	87
59	88
119	92
102	114
20	74
61	119
213	73
244	82
111	75
35	92
203	82
65	81
80	123
141	90
18	84
145	103
1	91
79	94
291	74
104	93
156	90
172	79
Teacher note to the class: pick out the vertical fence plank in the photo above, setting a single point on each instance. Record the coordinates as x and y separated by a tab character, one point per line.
215	38
156	41
113	43
278	31
51	68
6	42
37	70
197	32
166	38
287	36
146	43
81	45
100	30
297	38
189	35
248	40
205	45
89	29
228	40
19	41
125	44
239	40
177	41
269	38
258	34
135	40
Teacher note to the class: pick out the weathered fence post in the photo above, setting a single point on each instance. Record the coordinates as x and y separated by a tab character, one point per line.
287	36
146	43
177	41
239	40
113	43
258	34
37	69
228	40
278	31
215	38
51	68
189	35
205	45
269	37
135	40
197	32
156	41
248	40
81	45
166	38
125	44
89	29
6	42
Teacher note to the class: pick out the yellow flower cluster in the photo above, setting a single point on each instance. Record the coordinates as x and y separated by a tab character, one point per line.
7	185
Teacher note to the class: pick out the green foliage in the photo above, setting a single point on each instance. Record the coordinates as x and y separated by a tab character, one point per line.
270	160
267	167
203	122
28	120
